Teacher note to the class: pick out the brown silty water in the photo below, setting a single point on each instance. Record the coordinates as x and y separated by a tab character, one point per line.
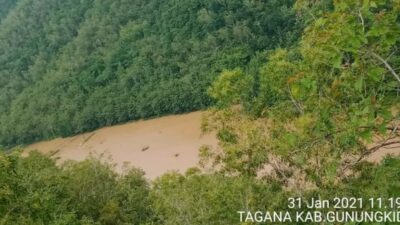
157	146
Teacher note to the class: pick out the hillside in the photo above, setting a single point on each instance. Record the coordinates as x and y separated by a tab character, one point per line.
72	66
301	126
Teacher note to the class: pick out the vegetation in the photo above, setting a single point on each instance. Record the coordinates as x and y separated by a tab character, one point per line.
33	190
317	105
296	120
73	66
6	5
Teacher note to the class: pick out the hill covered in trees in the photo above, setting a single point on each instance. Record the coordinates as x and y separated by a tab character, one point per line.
312	111
73	66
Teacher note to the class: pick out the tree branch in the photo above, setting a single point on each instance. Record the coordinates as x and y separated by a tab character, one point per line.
387	65
295	103
367	153
362	20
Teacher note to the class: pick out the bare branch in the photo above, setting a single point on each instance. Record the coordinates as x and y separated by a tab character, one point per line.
295	103
362	20
393	147
376	148
387	65
368	152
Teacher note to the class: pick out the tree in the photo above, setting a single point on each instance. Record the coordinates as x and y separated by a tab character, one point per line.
322	101
70	66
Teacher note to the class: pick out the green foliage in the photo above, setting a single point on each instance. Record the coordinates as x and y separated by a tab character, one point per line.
34	190
300	117
5	7
243	143
72	66
230	88
376	180
212	199
321	101
308	11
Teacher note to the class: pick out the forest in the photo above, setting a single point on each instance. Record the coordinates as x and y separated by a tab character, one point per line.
68	67
310	89
34	190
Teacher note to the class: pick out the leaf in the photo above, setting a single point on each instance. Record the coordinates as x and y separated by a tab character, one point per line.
291	139
358	85
376	73
386	114
382	128
331	171
393	84
320	22
295	89
337	61
366	135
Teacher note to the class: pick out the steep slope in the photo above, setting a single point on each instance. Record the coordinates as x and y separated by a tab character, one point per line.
114	61
30	38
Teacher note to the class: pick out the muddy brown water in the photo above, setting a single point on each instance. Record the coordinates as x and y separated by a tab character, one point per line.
157	146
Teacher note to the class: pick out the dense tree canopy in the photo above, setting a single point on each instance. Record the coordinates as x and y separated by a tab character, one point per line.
72	66
6	5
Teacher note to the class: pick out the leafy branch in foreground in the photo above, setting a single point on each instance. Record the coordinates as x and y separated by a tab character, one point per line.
321	102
